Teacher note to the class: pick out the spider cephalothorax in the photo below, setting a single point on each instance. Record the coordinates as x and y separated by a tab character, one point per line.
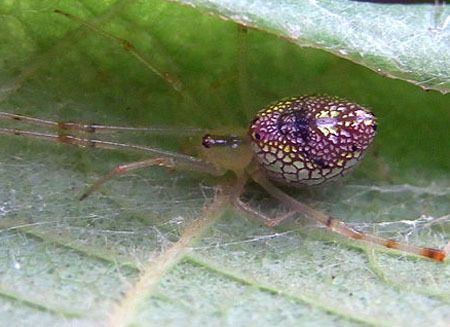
311	139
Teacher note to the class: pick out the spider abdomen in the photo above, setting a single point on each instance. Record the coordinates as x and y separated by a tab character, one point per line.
311	139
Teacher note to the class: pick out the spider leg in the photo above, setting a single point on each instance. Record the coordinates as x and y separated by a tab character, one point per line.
266	220
242	68
342	228
161	162
173	81
124	168
167	159
84	142
97	128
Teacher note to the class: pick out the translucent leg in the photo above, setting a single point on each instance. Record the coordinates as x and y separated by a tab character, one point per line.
96	128
242	64
266	220
161	162
173	81
61	135
170	159
342	228
94	143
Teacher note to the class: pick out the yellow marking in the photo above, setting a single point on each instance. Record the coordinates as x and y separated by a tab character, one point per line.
323	114
287	149
325	131
334	113
340	163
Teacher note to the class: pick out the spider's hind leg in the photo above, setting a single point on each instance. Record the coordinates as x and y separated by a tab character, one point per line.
341	227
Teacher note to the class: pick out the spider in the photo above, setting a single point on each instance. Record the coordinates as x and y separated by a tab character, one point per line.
306	140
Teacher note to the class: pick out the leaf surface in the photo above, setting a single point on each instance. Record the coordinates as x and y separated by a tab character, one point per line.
152	246
405	41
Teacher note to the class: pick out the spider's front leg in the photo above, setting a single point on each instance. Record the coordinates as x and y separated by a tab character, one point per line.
163	158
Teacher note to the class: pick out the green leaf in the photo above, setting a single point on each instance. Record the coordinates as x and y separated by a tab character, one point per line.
152	246
409	42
